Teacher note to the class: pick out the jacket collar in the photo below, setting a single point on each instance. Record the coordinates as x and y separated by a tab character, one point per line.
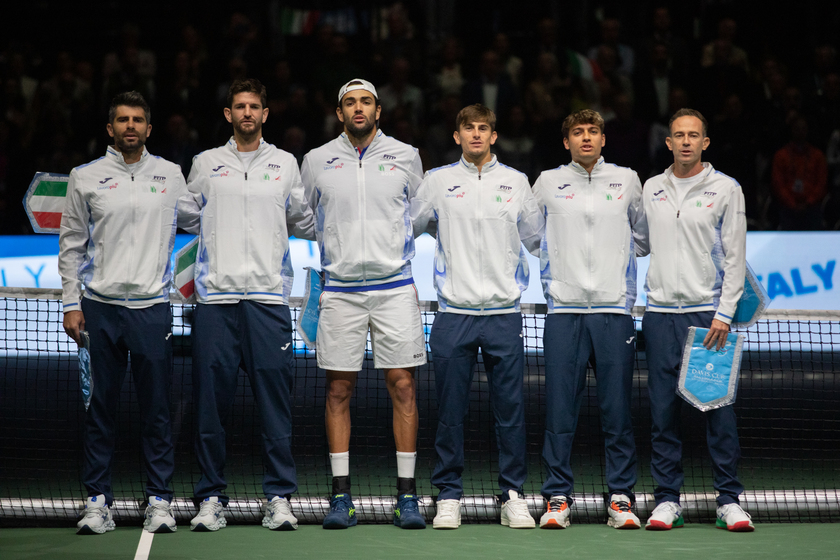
578	168
707	170
376	137
486	168
231	145
114	155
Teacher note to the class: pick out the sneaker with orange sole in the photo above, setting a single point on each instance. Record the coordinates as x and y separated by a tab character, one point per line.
557	514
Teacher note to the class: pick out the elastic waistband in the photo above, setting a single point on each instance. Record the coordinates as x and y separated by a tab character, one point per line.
386	286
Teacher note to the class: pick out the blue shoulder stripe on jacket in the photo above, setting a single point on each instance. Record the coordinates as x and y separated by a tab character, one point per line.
90	162
512	169
733	179
430	171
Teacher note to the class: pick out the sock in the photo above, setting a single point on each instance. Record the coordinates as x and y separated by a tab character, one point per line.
340	463
405	464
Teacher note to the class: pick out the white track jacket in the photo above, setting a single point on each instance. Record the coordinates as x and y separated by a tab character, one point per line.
118	231
592	234
361	202
697	248
481	220
246	214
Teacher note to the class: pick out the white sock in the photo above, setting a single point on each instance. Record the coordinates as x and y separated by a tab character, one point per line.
340	463
405	464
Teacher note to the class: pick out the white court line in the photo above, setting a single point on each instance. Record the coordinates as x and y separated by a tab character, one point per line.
144	547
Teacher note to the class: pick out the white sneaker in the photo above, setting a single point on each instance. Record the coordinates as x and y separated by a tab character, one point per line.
732	518
278	515
211	516
448	514
515	512
664	516
620	515
557	514
158	518
97	518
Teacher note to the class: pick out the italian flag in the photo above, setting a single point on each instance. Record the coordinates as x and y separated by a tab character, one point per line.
185	271
44	201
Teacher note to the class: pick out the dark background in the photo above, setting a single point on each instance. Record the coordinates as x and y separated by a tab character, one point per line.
769	69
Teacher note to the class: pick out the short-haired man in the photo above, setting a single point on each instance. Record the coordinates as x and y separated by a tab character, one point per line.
117	234
697	234
590	288
359	186
250	200
482	213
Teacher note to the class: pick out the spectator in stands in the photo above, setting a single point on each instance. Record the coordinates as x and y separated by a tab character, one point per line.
511	64
723	48
735	153
516	146
449	77
799	180
825	63
824	111
179	145
653	83
628	145
611	81
398	41
438	143
547	98
399	96
625	62
724	75
493	87
663	34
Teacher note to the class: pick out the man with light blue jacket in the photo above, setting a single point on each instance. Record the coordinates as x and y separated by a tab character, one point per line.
117	233
484	218
697	231
594	218
359	186
245	200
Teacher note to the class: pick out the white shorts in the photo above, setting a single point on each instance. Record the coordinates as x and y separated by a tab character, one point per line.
396	329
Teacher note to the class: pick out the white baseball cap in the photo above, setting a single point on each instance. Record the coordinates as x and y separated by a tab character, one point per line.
355	84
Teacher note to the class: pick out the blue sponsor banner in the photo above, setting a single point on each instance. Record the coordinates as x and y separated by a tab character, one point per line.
797	269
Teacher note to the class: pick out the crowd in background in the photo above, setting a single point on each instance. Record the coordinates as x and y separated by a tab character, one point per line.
774	117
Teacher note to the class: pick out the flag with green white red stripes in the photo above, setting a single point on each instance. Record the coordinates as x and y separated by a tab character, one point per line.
44	201
185	270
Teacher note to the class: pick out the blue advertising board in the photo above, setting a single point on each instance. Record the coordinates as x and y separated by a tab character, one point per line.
797	269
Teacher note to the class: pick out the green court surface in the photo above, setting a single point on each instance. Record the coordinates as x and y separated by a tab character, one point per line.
372	542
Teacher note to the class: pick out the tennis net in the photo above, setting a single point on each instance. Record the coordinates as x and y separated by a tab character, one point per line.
789	427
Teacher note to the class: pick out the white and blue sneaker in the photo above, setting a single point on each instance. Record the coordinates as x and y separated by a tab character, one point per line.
211	515
97	517
158	517
278	515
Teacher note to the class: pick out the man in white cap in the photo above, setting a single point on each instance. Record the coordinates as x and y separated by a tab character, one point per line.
359	186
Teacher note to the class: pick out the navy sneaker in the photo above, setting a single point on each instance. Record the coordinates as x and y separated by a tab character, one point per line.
407	514
342	513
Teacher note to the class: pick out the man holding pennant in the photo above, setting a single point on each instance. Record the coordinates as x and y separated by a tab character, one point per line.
697	233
